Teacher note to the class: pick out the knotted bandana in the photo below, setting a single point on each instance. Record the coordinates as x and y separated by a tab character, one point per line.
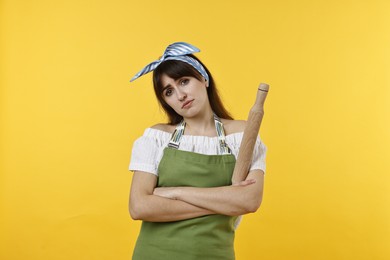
175	51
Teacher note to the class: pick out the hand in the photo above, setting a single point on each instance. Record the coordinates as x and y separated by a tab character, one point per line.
166	192
245	182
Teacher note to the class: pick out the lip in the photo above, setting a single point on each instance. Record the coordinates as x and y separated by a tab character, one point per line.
187	103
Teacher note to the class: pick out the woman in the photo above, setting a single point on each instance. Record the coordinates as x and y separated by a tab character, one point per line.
181	188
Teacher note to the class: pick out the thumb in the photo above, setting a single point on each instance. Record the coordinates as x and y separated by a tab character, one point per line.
245	182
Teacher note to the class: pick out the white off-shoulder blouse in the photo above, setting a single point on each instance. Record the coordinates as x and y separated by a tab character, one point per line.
148	149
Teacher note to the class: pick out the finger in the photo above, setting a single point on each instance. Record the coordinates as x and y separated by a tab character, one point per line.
246	182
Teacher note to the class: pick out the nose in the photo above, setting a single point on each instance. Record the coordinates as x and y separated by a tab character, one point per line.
181	96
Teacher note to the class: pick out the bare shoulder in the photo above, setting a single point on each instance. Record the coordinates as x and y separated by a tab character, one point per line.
233	126
164	127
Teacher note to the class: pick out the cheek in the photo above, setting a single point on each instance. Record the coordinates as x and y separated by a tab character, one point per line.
170	102
203	93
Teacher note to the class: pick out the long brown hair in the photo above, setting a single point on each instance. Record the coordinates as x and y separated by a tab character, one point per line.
176	69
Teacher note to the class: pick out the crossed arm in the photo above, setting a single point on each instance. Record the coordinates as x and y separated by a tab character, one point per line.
165	204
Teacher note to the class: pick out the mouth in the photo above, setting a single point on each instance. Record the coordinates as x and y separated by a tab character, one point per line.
187	104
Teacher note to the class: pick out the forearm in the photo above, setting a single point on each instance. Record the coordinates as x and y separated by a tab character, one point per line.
227	200
158	209
143	205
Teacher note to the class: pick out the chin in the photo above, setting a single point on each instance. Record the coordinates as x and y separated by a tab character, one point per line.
189	113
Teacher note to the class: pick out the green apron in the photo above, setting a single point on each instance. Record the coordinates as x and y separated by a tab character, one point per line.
200	238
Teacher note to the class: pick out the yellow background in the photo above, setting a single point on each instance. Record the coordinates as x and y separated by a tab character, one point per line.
69	117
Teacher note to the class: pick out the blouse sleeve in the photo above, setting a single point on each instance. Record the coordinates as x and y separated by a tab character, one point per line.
144	155
259	152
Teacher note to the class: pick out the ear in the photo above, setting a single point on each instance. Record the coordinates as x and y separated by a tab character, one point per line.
207	83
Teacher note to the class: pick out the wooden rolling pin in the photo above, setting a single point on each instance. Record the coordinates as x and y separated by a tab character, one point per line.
250	135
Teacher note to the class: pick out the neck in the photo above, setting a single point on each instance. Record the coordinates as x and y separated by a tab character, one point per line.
202	124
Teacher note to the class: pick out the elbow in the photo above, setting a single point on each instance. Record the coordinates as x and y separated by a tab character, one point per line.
134	215
245	207
135	211
139	209
251	206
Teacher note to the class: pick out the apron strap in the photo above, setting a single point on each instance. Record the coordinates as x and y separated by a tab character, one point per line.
179	131
177	134
224	148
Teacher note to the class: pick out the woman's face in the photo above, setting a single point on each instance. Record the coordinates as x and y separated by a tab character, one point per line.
186	95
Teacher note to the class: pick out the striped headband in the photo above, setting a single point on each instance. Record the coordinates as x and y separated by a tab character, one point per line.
175	51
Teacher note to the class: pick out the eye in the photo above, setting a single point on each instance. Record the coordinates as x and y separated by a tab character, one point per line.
168	92
184	81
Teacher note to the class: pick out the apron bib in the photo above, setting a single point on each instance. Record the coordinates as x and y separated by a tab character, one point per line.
205	237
